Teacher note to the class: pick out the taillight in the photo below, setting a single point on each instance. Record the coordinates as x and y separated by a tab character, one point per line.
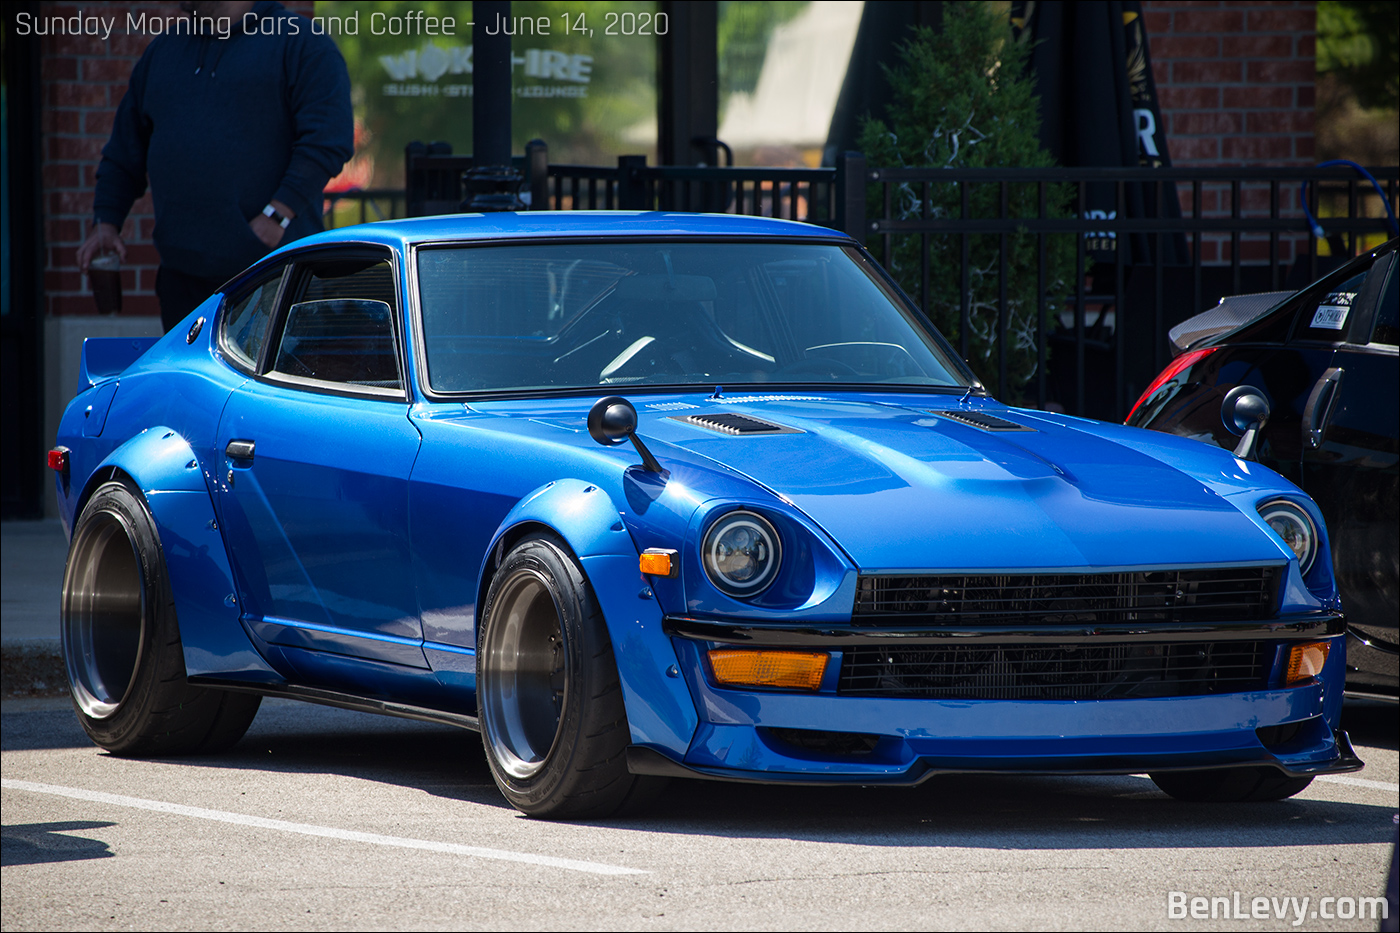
1184	361
58	459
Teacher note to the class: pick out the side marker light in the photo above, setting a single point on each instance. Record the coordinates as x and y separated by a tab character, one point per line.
659	562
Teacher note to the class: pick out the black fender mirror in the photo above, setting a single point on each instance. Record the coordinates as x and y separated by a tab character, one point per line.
612	420
1245	411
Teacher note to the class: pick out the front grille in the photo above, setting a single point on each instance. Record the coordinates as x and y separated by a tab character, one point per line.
1058	672
1238	594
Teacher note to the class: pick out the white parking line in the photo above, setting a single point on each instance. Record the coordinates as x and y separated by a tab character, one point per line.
307	829
1359	782
1335	779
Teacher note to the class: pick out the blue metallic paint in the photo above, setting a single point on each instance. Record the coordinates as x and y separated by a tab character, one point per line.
874	482
164	468
318	520
104	357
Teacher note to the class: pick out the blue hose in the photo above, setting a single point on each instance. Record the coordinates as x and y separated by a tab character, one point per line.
1316	227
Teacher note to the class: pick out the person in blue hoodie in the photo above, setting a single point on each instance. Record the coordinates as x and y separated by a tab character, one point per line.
238	119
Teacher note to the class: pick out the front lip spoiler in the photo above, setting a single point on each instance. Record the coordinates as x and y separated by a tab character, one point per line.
642	759
1300	626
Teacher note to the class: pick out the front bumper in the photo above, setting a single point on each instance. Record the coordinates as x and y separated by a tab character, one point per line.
828	737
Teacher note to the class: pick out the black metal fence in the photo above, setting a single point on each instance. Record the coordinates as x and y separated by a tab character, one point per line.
1098	335
1056	305
435	185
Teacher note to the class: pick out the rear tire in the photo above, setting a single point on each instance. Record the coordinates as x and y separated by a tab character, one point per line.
121	640
550	701
1229	785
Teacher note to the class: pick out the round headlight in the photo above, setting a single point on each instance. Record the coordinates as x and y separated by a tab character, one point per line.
1295	527
742	553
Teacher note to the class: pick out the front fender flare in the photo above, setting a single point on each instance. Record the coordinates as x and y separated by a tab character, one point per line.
164	468
660	710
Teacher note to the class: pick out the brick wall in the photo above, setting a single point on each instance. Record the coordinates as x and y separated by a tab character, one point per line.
1236	83
83	78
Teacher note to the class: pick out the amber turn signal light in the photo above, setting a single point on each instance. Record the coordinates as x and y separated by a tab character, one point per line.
1305	661
748	667
659	562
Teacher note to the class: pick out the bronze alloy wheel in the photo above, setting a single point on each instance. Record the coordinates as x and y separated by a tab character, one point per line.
121	639
549	699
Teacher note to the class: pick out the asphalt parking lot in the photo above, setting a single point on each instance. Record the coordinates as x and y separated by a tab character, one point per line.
327	819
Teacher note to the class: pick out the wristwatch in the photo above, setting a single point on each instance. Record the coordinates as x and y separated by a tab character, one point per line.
271	211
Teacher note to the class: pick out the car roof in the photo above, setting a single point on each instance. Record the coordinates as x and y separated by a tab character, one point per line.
532	224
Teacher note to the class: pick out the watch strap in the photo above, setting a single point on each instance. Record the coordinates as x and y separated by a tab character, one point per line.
282	221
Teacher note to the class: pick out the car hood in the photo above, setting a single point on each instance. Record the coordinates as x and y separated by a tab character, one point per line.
904	488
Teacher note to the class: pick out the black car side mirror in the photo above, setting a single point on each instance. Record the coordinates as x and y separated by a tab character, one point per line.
1245	411
613	420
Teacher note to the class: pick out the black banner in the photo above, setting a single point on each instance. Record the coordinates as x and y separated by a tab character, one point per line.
1098	106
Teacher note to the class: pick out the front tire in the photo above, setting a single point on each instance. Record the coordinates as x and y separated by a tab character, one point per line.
1229	785
550	702
121	640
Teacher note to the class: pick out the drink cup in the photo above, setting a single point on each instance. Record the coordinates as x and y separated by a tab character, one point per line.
105	277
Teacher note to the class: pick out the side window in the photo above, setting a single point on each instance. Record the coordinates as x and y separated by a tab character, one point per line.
243	326
349	278
341	328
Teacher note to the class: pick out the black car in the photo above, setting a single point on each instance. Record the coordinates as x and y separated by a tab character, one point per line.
1325	360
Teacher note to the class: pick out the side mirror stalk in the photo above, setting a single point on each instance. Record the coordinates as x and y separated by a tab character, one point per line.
1245	411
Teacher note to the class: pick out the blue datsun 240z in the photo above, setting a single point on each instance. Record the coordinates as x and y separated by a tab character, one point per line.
806	546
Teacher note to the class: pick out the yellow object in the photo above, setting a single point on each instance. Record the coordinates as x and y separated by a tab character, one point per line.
1305	661
750	667
656	565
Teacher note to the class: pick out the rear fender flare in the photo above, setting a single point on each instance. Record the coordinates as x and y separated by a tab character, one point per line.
163	467
660	710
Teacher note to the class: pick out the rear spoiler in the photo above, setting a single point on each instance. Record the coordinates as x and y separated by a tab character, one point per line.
106	357
1232	311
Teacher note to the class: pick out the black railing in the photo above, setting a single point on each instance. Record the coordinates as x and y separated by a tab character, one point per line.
362	205
815	195
1104	287
1245	230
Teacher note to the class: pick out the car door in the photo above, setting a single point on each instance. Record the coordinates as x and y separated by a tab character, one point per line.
1350	456
317	451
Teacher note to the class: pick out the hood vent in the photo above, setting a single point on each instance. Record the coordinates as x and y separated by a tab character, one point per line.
731	422
983	420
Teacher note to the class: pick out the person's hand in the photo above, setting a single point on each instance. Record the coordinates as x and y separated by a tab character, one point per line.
269	230
104	238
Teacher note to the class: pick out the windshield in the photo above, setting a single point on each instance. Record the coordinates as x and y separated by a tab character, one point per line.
557	316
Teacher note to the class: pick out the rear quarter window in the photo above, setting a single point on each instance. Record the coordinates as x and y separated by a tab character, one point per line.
1326	315
1386	330
244	323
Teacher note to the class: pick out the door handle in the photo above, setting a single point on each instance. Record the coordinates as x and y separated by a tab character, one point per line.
1318	411
239	450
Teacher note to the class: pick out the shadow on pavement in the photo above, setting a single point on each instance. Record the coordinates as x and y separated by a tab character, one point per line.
38	843
1373	723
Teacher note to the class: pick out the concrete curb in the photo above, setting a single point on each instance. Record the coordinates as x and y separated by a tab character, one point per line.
32	667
